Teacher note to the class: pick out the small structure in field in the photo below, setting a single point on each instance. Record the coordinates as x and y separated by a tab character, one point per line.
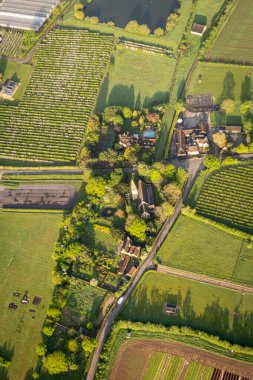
171	309
201	103
37	300
12	306
9	88
129	249
25	299
198	29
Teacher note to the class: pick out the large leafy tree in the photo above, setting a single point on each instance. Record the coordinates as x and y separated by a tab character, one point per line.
56	363
96	187
137	228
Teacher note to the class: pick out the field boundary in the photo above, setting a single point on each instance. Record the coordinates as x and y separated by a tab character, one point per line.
203	279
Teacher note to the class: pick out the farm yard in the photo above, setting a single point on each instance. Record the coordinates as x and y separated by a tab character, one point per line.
24	269
202	248
11	44
234	42
146	359
227	196
136	78
224	81
216	310
49	123
19	73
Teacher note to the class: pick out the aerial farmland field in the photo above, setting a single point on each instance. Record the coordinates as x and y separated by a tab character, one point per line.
49	122
227	196
26	245
136	78
146	359
215	252
234	42
214	309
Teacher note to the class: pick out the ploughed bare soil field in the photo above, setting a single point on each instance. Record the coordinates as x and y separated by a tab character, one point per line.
128	368
62	197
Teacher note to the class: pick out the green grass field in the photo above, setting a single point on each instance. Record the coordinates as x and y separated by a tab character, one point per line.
206	11
26	245
216	310
197	370
198	247
155	366
136	78
18	72
174	368
234	42
223	81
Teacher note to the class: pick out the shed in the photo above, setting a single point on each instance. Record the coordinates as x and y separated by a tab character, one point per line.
171	309
198	29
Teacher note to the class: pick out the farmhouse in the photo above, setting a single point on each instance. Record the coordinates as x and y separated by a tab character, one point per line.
198	29
27	15
9	88
131	272
129	249
191	142
146	138
233	129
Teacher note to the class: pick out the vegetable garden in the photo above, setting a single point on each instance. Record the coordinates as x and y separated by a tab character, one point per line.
49	123
227	197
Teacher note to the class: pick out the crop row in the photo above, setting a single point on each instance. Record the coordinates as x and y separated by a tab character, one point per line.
228	196
11	42
50	120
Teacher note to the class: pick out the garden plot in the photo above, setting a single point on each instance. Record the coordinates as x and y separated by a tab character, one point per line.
63	197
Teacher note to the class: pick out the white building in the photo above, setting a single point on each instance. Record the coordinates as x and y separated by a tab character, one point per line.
26	14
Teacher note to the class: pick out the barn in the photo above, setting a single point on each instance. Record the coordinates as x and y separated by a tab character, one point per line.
26	14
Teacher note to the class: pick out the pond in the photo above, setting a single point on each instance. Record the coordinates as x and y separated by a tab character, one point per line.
154	13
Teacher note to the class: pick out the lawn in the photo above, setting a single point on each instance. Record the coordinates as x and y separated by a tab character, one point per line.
206	11
27	244
18	72
223	81
136	79
213	309
83	303
198	247
234	42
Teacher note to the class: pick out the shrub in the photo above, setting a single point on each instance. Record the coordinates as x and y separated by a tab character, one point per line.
159	32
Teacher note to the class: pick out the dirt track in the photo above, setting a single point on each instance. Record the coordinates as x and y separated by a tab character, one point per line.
145	347
202	278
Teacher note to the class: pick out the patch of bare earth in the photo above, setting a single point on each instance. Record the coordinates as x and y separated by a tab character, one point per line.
134	355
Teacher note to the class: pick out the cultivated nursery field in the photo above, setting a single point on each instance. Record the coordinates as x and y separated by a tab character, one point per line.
158	359
234	42
12	42
49	122
27	244
227	196
214	252
216	310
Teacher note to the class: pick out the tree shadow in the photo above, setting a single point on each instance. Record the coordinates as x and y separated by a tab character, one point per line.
7	352
138	102
103	93
29	374
122	95
246	93
3	64
228	86
200	19
158	98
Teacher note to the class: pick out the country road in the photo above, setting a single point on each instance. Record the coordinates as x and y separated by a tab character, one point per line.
204	279
194	169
